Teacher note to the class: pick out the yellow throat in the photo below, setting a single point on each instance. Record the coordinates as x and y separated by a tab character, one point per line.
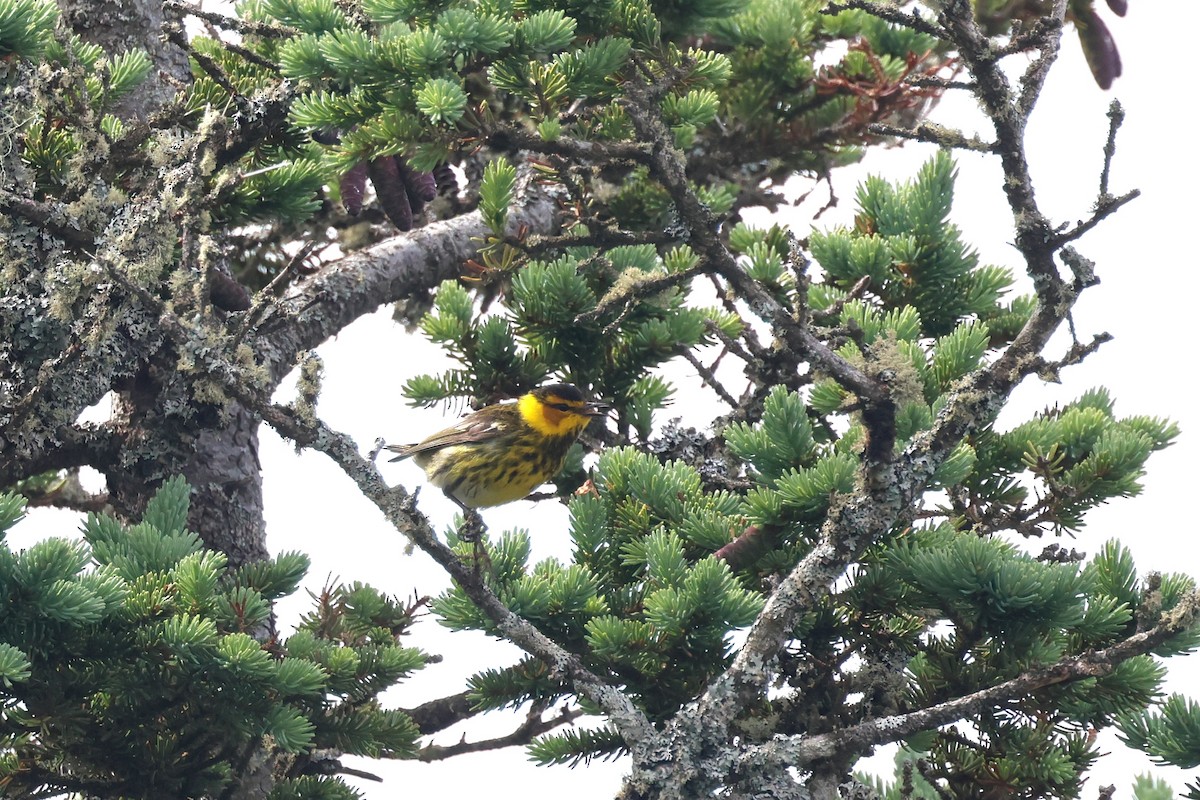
550	421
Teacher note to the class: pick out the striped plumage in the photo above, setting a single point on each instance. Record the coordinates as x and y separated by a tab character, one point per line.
503	452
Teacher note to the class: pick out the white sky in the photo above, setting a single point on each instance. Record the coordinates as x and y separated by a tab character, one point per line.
1147	294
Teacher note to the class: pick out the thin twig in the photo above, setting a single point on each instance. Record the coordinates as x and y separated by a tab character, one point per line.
934	134
251	56
531	728
275	288
1106	206
889	12
176	35
607	152
602	237
642	288
709	378
1116	116
246	26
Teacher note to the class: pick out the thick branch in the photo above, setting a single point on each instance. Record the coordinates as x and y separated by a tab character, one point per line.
403	266
439	714
50	217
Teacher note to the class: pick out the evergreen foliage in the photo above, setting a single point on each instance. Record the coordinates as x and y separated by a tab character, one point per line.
132	663
542	332
633	600
859	506
25	27
647	604
903	243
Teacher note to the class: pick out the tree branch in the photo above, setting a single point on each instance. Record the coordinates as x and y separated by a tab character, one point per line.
667	165
800	751
889	12
1009	115
399	507
403	266
503	137
934	134
439	714
526	732
891	487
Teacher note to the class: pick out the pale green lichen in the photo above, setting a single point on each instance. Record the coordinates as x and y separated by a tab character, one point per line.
256	375
210	391
629	282
184	287
886	362
308	388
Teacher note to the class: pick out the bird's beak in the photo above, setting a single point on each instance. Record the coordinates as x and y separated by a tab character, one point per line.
596	409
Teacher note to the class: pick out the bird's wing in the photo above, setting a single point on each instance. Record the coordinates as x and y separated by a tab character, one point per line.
470	430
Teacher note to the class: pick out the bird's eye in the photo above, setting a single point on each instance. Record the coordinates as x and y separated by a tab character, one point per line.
560	406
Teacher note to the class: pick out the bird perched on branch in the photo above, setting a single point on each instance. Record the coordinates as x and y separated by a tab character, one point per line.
503	452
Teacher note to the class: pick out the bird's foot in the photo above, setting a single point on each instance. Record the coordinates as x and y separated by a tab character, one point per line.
472	528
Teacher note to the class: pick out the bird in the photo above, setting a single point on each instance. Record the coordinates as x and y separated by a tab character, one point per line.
502	452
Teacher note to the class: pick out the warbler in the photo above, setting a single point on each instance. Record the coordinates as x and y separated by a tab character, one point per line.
503	452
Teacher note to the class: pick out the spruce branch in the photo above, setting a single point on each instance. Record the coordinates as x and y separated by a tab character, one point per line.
936	82
667	165
889	12
532	727
641	289
604	237
934	134
504	137
407	265
244	26
398	506
800	751
990	519
436	715
892	487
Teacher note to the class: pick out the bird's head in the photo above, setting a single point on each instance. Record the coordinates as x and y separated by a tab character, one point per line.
559	409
